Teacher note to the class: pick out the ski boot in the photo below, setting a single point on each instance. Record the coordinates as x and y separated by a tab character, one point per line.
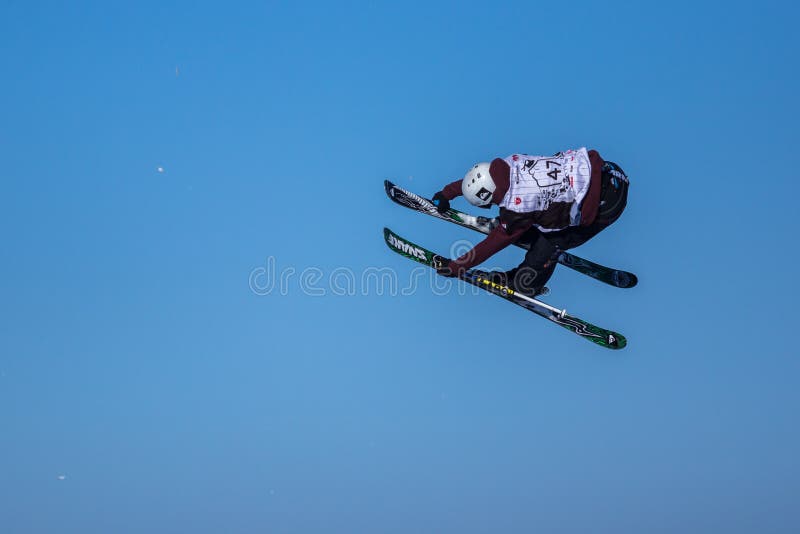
516	281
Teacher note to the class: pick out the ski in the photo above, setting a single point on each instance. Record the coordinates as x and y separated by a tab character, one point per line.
484	225
595	334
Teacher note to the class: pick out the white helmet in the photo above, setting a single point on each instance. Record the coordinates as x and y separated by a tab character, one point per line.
478	185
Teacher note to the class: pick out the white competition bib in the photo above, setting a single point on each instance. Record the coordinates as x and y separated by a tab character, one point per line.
539	181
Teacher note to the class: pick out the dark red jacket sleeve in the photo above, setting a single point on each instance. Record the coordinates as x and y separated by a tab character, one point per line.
452	190
497	240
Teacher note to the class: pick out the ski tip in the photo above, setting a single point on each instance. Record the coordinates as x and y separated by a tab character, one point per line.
617	341
625	280
609	340
387	185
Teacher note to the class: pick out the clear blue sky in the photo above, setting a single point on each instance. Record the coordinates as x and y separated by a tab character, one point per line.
137	364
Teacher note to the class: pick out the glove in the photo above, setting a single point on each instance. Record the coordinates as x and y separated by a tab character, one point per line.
441	203
446	271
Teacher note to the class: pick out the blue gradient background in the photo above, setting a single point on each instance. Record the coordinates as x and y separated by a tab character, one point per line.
136	362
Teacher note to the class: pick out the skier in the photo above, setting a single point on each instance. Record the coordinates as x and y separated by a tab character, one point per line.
558	202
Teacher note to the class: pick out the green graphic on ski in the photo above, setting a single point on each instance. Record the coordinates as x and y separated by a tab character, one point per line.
595	334
614	277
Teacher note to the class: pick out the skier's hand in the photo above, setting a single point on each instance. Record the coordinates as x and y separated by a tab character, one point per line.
447	271
441	203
